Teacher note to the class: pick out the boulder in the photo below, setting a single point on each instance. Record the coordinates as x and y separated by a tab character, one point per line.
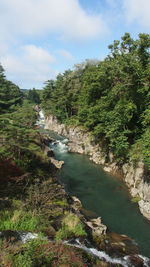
58	164
136	261
97	227
76	203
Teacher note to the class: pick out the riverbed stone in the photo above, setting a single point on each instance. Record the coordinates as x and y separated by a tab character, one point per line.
76	203
98	228
58	164
136	261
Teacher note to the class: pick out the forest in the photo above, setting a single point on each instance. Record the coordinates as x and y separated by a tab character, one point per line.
108	98
33	205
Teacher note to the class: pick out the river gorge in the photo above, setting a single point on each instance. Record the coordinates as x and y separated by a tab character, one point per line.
104	194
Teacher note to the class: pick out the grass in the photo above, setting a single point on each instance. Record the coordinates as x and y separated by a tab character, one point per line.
18	220
71	226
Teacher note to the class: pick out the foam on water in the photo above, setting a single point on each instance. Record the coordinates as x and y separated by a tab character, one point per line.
62	147
102	255
41	115
41	119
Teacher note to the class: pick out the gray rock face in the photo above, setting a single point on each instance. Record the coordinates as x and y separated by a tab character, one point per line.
134	178
81	142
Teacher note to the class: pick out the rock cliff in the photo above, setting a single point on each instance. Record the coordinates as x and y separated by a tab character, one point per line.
80	141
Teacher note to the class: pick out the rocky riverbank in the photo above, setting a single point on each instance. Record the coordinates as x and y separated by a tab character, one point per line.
116	245
35	203
135	177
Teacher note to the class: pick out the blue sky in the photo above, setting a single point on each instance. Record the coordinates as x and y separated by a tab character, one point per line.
40	38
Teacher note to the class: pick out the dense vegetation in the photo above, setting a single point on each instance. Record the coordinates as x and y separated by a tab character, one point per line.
109	98
30	198
33	96
10	94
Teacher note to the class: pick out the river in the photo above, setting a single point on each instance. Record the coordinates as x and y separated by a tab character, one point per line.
101	193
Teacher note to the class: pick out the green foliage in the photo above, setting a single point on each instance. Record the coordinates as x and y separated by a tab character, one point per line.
18	141
34	96
71	226
136	199
17	138
10	94
30	199
29	257
18	220
109	98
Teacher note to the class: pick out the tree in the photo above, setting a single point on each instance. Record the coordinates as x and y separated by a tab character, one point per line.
10	94
33	96
109	98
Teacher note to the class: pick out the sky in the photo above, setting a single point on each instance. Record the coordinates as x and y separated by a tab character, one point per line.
41	38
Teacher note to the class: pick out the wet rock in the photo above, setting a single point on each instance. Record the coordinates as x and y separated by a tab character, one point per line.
76	203
10	236
116	244
46	140
50	153
136	261
88	214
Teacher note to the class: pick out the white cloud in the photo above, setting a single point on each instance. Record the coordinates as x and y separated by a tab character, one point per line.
37	54
21	20
138	11
31	67
35	17
65	54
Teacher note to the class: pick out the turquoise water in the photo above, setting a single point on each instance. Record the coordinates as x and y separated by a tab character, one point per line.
105	195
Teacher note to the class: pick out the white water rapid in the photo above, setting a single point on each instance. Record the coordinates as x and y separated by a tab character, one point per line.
60	146
102	255
41	119
41	115
25	237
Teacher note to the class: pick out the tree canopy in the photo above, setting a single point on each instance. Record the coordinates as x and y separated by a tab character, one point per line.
10	94
110	98
33	96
